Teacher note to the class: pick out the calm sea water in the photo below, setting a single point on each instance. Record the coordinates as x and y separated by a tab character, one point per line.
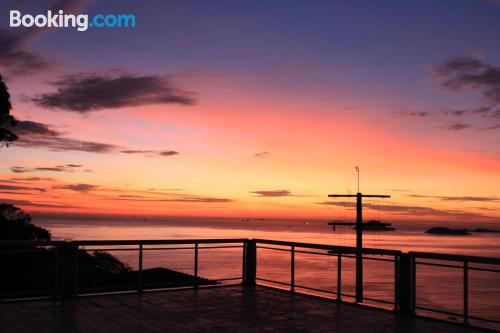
437	287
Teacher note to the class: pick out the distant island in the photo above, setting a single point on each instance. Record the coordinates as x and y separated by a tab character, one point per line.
371	225
375	225
447	231
484	230
457	232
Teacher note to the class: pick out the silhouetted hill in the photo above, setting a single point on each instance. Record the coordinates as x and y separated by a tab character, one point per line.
32	269
447	231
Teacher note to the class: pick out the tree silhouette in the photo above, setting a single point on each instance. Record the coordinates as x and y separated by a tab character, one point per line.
15	224
6	120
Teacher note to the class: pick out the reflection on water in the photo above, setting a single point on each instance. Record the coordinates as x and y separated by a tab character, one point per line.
437	287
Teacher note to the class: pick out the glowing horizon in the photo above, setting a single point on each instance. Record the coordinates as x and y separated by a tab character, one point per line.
235	114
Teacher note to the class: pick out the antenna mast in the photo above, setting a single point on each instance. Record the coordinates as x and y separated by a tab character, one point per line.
357	170
359	233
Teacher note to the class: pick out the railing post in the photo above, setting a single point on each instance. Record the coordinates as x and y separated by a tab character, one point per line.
292	268
404	284
140	268
196	264
396	282
339	277
359	275
250	263
68	270
466	292
56	271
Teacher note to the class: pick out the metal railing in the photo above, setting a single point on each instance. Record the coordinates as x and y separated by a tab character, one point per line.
459	262
337	252
65	269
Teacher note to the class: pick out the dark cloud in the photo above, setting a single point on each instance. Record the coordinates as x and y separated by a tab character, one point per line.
28	127
165	189
273	193
408	210
457	198
80	187
168	153
187	199
489	128
417	114
467	112
88	92
32	179
262	154
467	72
26	203
58	143
151	152
478	117
5	187
199	199
456	127
457	73
39	135
57	168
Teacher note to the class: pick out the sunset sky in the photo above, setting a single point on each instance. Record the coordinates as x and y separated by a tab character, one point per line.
257	109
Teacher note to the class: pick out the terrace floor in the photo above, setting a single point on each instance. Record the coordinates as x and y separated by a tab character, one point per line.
225	309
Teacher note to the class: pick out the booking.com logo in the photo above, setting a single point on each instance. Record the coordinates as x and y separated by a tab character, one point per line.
81	22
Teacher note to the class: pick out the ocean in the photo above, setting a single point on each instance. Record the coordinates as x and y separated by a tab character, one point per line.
437	287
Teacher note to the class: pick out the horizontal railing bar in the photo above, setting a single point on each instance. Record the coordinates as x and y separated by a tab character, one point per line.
484	269
456	257
341	249
160	248
29	243
324	254
316	289
109	249
160	242
424	263
365	257
485	319
121	242
418	307
311	252
455	266
273	248
377	259
377	300
228	279
167	248
273	281
221	247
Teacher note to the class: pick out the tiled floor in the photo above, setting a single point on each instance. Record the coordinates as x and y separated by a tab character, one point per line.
227	309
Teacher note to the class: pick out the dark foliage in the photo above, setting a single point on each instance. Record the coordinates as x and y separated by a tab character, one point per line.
15	224
6	120
31	269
